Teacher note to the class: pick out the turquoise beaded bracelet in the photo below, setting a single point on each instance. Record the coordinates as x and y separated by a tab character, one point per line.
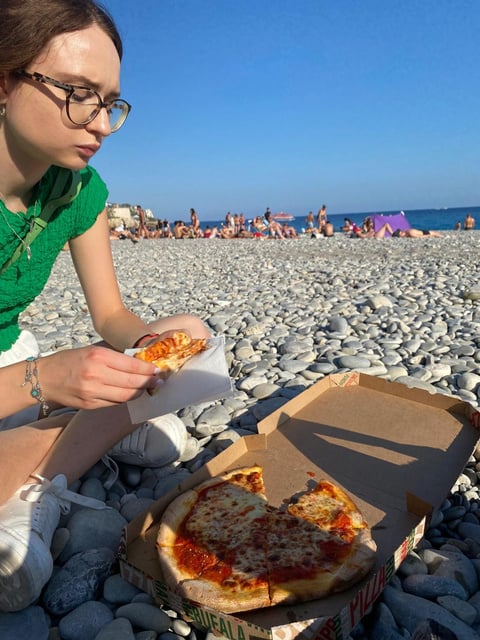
31	376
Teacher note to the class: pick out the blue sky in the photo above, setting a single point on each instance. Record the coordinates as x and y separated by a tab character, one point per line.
365	105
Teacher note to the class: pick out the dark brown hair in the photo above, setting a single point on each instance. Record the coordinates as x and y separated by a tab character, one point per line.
29	25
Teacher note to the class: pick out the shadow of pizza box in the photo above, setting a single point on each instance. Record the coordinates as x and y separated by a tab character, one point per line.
382	442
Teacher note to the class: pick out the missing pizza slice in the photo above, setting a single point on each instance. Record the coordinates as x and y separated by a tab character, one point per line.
170	354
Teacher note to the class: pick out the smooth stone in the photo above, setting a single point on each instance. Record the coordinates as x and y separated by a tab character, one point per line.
265	390
264	408
207	430
250	382
93	488
383	624
292	365
294	346
459	608
135	507
410	611
117	629
131	475
144	616
468	381
216	415
353	362
432	630
59	541
181	627
91	529
78	581
473	293
223	440
338	324
149	635
433	586
85	621
379	301
412	565
322	367
29	624
244	350
468	530
395	372
457	566
117	590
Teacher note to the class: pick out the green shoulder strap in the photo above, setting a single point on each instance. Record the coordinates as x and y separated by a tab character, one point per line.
57	198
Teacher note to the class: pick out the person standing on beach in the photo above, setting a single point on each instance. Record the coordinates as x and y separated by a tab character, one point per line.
469	222
59	101
195	224
142	231
310	221
322	218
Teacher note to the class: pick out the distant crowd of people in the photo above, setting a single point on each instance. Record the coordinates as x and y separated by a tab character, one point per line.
234	226
266	226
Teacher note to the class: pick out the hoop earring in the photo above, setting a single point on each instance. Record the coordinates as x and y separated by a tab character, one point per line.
3	110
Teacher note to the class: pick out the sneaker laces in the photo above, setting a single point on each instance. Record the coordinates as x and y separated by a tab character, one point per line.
58	488
112	471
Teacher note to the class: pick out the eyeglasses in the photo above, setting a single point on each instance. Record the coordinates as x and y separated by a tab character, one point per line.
84	104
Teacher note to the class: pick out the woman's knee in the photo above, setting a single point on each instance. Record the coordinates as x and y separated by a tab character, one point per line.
191	323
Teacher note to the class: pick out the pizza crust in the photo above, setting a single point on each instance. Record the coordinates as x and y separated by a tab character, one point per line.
225	600
174	516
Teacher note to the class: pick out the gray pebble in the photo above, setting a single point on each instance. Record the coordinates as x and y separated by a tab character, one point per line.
78	581
27	624
90	528
117	629
85	621
117	590
144	616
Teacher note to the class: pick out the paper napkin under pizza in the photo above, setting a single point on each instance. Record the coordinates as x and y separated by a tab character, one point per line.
202	379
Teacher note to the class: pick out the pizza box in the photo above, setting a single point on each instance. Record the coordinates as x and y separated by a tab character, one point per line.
382	442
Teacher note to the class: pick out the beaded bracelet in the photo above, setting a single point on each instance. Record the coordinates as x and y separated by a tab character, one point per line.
138	342
31	376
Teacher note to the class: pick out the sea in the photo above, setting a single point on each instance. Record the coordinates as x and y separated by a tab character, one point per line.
433	219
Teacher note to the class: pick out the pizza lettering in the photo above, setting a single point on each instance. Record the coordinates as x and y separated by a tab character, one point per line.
222	545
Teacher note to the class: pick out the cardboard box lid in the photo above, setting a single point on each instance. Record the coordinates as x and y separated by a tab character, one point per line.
396	451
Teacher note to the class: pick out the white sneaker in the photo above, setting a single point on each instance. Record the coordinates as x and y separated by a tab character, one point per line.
27	523
155	443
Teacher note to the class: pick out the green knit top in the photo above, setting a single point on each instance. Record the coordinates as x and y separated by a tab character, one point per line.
26	278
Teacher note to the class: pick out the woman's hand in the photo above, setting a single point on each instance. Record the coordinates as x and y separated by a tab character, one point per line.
93	377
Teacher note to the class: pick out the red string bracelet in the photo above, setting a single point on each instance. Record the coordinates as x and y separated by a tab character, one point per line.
138	342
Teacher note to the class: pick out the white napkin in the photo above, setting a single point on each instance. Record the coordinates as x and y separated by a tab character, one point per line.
201	379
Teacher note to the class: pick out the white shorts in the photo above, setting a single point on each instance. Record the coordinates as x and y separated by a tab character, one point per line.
25	346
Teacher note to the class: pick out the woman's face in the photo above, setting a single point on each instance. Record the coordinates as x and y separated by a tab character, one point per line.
36	126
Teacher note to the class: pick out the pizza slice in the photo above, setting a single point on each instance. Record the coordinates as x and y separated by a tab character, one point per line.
170	354
329	546
211	542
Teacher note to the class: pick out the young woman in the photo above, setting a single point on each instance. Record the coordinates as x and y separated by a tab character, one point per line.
59	100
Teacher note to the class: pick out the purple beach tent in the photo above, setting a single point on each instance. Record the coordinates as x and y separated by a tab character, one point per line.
397	221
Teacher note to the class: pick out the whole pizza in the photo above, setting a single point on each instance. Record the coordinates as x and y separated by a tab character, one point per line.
222	545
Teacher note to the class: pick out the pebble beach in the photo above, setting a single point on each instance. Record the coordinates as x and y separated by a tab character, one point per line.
292	311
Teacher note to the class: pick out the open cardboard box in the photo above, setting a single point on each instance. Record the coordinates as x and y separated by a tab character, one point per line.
396	451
